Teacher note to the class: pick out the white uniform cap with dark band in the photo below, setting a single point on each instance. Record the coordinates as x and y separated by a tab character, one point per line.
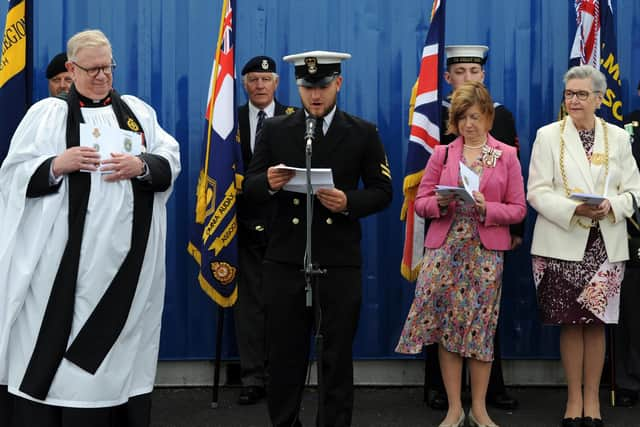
316	68
474	54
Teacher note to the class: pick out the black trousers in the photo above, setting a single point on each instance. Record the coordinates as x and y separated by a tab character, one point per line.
627	332
249	314
434	375
289	325
135	413
6	406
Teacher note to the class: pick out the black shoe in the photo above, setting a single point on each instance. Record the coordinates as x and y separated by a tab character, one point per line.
592	422
572	422
626	398
438	400
502	401
250	395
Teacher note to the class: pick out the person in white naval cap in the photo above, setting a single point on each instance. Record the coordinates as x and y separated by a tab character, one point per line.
352	149
466	63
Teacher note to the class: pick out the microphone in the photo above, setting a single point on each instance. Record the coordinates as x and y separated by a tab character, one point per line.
309	134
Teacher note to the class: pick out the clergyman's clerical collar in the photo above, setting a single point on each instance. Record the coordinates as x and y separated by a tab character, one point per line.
91	103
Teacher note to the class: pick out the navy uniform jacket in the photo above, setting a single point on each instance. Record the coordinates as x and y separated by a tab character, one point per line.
634	118
253	219
504	130
354	152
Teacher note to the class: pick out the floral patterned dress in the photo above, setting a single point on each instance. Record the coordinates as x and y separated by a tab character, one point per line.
579	292
457	297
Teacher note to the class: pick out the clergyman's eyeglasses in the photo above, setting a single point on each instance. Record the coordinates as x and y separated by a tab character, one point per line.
94	71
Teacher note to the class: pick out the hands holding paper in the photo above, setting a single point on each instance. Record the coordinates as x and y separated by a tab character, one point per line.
75	159
596	212
444	199
123	166
481	206
333	199
277	177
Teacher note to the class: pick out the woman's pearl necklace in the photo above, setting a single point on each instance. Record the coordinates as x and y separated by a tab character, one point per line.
472	147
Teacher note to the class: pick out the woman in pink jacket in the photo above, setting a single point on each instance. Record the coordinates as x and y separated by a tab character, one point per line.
457	297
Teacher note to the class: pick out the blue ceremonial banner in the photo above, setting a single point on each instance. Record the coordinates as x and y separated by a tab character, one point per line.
611	109
595	44
214	243
13	73
424	119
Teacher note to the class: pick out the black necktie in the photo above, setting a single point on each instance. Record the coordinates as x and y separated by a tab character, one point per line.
319	128
261	116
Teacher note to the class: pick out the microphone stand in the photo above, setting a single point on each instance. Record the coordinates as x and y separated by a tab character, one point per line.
312	274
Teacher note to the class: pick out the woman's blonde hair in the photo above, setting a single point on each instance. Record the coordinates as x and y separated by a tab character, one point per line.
466	96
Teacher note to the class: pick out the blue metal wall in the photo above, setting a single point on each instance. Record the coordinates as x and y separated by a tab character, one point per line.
164	49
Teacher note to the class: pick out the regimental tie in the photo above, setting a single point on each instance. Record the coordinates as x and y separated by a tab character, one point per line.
261	116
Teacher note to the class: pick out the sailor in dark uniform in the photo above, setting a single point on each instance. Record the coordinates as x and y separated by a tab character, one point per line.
352	149
466	63
627	333
260	82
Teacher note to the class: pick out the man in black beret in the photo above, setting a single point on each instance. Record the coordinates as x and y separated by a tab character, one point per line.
352	149
260	82
59	78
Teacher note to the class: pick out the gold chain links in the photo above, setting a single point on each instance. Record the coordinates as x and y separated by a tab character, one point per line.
563	172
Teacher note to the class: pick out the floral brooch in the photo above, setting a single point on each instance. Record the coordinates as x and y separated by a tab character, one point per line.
490	155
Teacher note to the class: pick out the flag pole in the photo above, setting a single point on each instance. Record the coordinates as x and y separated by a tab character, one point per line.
220	317
216	365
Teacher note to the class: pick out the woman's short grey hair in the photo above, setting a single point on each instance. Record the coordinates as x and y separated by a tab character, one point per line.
83	39
598	80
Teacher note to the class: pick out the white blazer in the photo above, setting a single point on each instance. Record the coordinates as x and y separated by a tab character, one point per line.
556	233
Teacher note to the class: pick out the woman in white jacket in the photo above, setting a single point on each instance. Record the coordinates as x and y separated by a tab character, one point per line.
580	243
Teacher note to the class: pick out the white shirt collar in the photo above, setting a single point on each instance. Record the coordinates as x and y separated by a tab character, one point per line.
326	122
269	109
253	120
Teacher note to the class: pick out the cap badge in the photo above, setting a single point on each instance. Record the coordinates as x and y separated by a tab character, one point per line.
264	64
312	64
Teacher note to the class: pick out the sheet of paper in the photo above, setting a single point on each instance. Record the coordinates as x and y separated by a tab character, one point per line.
470	179
590	199
320	178
459	192
107	140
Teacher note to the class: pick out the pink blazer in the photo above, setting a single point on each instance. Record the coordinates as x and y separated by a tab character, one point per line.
502	186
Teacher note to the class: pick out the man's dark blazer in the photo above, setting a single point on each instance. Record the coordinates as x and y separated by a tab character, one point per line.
353	151
253	219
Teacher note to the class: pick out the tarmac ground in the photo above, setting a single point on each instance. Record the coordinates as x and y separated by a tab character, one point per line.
374	406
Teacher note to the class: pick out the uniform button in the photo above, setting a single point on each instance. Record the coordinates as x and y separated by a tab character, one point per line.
296	202
329	221
295	221
259	228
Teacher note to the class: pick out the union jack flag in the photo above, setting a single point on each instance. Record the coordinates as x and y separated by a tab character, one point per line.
424	119
595	44
213	243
